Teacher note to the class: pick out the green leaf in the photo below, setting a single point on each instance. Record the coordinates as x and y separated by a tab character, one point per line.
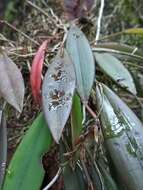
108	180
79	49
25	171
3	146
123	134
121	54
73	178
138	79
57	92
116	70
120	48
134	31
76	119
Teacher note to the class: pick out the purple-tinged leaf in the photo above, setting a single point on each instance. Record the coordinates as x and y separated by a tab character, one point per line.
11	82
3	147
72	9
77	8
57	92
89	4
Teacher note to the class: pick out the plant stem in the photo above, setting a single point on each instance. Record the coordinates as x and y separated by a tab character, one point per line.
92	113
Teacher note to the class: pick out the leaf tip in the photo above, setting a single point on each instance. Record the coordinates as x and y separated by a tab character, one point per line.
57	137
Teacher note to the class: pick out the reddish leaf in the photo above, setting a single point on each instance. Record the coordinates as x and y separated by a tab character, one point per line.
77	8
36	71
11	82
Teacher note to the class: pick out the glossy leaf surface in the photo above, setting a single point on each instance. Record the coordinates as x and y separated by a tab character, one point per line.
123	133
116	70
36	71
57	92
79	49
11	82
25	170
3	146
